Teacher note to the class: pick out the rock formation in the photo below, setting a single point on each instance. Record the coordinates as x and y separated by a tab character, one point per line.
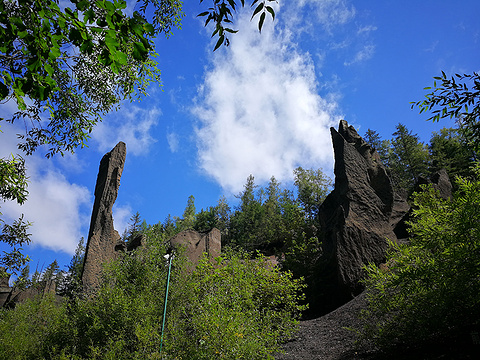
355	216
10	296
197	243
102	237
4	287
440	182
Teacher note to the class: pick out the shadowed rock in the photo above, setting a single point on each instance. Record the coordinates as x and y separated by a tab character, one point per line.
440	182
4	286
102	237
355	216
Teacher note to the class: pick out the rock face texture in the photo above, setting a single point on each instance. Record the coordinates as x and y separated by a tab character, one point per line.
4	287
197	243
440	182
10	296
102	237
355	216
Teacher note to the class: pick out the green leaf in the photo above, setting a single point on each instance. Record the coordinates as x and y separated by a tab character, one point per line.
121	4
83	4
139	51
137	28
3	91
258	9
219	43
49	69
22	34
149	28
61	22
88	16
111	42
120	58
261	21
271	11
232	3
75	36
20	102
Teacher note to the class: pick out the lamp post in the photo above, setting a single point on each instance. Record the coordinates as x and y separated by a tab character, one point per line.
169	257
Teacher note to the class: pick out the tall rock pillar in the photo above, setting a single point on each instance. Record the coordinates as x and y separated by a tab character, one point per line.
355	216
102	236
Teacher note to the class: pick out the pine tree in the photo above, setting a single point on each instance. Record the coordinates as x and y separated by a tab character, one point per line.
449	151
409	158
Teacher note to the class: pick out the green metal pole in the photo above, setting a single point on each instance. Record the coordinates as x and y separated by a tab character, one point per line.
170	259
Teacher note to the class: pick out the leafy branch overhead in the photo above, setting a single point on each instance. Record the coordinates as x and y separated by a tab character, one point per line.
456	97
221	13
73	66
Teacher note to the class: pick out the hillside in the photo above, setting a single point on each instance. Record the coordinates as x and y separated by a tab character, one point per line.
327	338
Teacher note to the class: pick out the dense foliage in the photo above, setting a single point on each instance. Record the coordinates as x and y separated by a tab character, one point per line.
430	286
407	159
233	308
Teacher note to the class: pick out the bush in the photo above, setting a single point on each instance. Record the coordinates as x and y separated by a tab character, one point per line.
36	329
233	308
432	285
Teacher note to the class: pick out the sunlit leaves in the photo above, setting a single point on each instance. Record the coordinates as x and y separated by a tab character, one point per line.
455	97
106	54
65	69
431	285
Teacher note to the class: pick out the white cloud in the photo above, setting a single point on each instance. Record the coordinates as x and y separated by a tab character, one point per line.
132	125
327	13
366	29
173	142
121	217
261	113
364	54
56	207
432	47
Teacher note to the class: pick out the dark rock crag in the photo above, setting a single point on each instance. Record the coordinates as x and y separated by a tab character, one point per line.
102	237
355	217
440	182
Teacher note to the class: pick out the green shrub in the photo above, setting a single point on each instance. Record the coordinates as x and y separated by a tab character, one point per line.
35	329
431	285
233	309
123	320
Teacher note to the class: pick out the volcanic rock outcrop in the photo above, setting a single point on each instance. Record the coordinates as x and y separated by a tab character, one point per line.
10	296
440	183
102	237
197	243
355	216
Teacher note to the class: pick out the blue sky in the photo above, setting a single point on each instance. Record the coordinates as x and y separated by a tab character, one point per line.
263	106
